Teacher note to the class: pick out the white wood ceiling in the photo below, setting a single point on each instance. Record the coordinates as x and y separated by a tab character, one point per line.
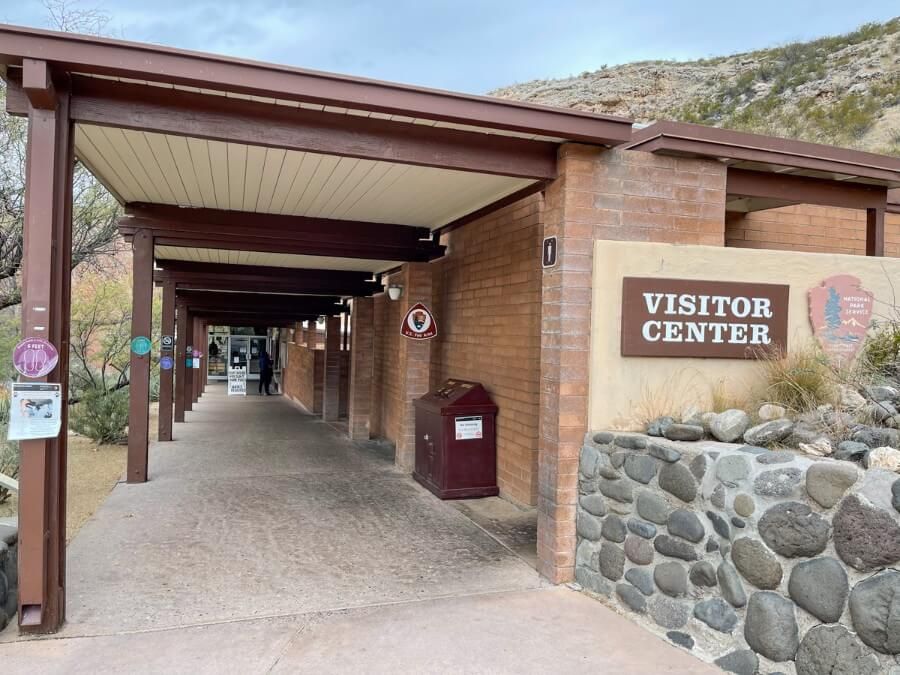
147	167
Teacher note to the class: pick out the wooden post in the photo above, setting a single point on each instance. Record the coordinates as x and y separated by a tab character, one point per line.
197	343
180	359
46	273
164	432
875	231
188	363
139	387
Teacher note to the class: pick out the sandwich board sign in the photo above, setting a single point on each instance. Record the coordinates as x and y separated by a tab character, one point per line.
237	381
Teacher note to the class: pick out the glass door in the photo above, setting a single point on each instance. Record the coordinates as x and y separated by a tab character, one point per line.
238	351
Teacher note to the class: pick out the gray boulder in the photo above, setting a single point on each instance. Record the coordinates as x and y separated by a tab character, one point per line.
612	561
641	528
638	550
895	494
731	469
613	529
658	426
664	452
677	479
641	579
793	530
865	537
632	598
684	432
703	574
875	611
756	563
768	432
594	504
742	662
652	507
641	468
876	437
820	587
588	526
671	578
770	626
730	583
619	490
675	548
685	524
826	482
729	426
777	482
717	614
669	613
834	650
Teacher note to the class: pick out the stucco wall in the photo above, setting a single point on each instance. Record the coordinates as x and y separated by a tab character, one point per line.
625	389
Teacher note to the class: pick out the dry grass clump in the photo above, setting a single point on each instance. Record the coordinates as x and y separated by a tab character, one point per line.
800	380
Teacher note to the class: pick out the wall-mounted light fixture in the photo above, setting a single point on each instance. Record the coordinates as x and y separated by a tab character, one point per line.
394	291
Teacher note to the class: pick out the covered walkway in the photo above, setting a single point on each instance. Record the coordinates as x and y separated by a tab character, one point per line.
267	541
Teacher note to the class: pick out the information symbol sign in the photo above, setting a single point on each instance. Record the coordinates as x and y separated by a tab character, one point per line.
549	252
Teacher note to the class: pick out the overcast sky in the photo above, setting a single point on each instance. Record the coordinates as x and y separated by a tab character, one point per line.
467	45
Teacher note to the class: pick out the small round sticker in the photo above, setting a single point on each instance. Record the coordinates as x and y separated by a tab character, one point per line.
141	345
35	357
166	362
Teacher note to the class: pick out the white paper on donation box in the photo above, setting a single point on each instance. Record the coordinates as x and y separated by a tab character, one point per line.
469	428
35	411
237	381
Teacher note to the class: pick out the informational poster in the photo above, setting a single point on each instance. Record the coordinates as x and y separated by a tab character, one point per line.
35	410
237	381
468	428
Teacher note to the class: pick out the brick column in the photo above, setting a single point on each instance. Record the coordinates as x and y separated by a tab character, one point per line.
415	362
600	194
311	334
362	367
565	361
331	399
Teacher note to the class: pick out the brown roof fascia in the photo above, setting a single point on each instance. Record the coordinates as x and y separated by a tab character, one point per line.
117	58
694	140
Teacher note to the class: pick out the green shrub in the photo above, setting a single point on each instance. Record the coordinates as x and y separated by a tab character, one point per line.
101	416
881	351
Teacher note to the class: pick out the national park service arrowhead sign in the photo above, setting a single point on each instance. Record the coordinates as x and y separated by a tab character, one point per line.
419	323
840	310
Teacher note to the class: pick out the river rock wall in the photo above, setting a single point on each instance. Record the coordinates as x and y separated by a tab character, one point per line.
761	561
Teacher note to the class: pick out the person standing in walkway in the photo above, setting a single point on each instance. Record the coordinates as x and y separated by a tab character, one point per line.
265	371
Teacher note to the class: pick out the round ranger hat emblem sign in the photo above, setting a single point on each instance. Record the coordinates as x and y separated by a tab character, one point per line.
35	357
419	323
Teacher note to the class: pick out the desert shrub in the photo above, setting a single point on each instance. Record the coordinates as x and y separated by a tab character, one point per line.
101	416
9	450
880	356
799	380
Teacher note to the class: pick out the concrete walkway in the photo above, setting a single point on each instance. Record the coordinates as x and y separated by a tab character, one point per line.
265	542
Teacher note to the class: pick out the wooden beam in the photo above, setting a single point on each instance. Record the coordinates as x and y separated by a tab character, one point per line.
232	120
37	84
875	232
103	56
198	228
213	276
804	190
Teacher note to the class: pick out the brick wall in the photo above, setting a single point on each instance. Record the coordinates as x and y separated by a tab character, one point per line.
818	229
304	375
487	300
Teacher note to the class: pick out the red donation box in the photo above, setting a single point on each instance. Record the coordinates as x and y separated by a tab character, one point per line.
456	451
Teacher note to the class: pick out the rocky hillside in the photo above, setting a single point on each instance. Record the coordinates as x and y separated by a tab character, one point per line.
842	90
